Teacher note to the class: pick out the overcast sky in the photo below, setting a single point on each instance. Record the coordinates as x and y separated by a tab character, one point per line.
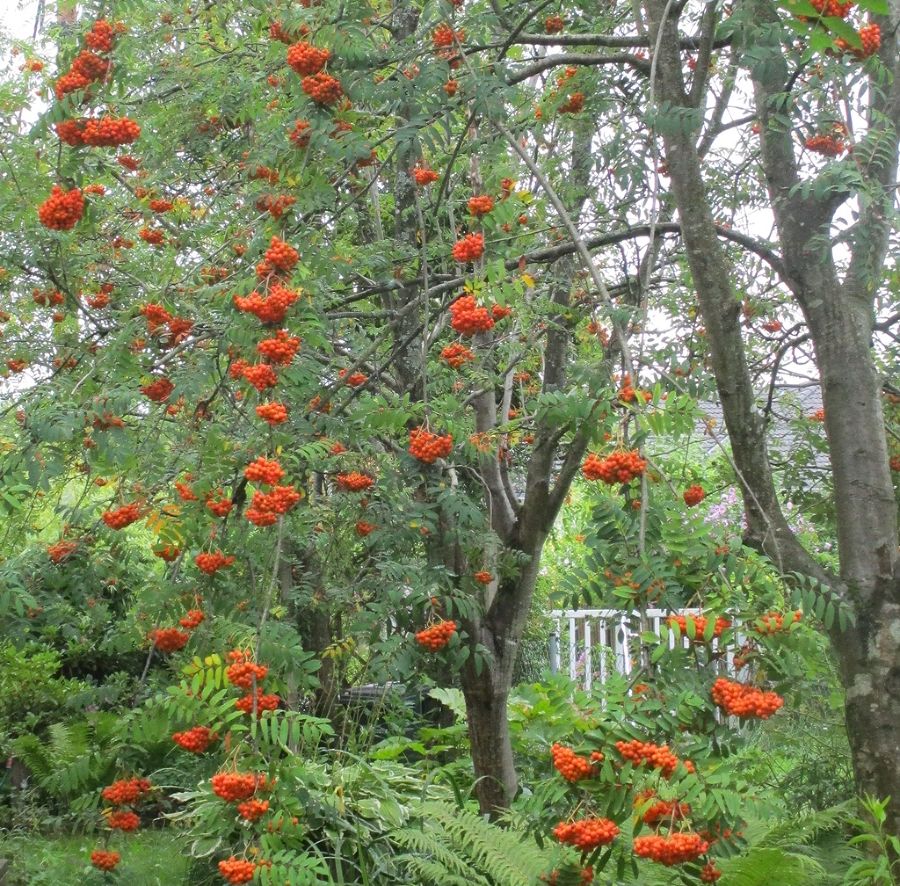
17	17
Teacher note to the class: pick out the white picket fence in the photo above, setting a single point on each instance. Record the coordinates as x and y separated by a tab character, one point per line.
604	641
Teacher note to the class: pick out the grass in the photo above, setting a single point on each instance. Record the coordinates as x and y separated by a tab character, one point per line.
149	858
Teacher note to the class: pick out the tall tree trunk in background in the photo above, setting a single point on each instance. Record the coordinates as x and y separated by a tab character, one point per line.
840	317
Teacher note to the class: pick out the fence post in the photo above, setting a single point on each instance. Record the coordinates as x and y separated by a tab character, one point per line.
553	643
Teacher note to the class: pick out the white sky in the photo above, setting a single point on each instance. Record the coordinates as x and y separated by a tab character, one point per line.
17	17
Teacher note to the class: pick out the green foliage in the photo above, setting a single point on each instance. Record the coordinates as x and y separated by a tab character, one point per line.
455	846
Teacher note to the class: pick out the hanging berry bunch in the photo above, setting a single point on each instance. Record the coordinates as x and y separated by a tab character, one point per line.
571	766
436	636
743	700
195	740
428	447
467	317
618	467
586	834
673	849
62	210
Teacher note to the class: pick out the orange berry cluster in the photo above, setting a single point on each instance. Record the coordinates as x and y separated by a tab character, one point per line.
237	870
281	350
480	205
272	413
483	577
699	622
235	786
167	206
832	8
195	740
276	206
456	355
773	622
123	820
212	562
553	24
709	873
500	312
300	135
243	673
428	447
628	394
870	35
586	877
437	636
265	508
221	507
586	834
672	849
571	766
126	791
363	527
101	132
62	549
251	810
826	145
192	620
271	308
573	104
468	318
159	391
306	60
618	467
693	495
322	88
281	256
123	516
354	482
264	470
260	375
102	35
469	248
645	752
262	703
152	236
444	36
666	810
88	67
62	210
169	639
424	176
105	861
741	700
185	493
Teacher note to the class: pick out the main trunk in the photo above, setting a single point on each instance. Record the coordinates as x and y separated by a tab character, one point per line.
869	661
491	750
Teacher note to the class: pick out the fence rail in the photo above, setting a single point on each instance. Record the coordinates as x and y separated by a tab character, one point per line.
604	641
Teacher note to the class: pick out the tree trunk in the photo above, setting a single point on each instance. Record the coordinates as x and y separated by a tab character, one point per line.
840	320
869	661
486	697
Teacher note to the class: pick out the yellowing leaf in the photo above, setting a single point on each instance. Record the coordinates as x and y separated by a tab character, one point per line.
528	280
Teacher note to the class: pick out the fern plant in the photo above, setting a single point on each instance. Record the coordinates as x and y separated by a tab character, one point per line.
454	847
73	757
